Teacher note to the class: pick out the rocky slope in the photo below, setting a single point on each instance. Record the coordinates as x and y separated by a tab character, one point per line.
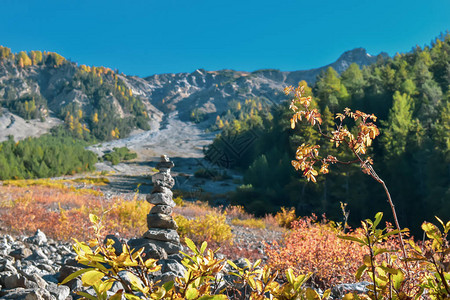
59	86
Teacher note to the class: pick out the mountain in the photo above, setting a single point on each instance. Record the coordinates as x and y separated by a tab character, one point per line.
97	102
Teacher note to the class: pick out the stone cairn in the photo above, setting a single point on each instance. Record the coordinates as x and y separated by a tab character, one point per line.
162	238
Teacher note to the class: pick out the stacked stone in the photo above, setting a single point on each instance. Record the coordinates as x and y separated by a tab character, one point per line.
162	228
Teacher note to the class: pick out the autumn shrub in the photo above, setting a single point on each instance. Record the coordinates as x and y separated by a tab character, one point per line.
312	246
211	227
62	211
285	217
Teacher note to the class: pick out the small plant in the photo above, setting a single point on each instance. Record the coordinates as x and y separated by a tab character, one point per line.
285	217
105	266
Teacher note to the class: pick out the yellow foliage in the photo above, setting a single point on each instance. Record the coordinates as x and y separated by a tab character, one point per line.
249	223
211	227
285	217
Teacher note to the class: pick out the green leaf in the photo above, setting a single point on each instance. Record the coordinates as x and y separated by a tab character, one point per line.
232	264
192	293
326	294
132	297
86	295
311	294
191	245
256	264
203	247
117	295
389	270
398	279
378	217
360	271
92	277
168	285
135	281
213	297
352	238
159	293
93	218
75	275
382	250
290	276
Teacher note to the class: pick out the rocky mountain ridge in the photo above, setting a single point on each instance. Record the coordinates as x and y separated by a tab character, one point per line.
64	87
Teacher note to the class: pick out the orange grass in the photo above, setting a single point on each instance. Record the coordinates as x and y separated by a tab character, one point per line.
63	213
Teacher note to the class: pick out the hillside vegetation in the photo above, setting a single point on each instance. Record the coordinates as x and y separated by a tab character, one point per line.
410	96
94	102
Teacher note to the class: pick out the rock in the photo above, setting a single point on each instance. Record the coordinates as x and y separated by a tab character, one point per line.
19	293
162	189
163	179
161	221
61	292
39	294
20	253
170	248
171	265
150	249
65	271
39	238
7	265
161	199
161	209
37	254
167	235
15	281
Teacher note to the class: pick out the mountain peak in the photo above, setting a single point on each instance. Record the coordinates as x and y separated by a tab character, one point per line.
358	56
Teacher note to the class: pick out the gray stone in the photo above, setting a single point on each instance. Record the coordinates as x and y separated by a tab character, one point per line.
39	294
161	209
170	248
162	189
39	238
163	179
171	265
15	281
7	265
160	199
65	271
168	235
20	253
19	293
161	221
61	292
150	249
37	254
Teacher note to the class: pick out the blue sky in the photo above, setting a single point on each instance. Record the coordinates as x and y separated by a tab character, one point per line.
151	37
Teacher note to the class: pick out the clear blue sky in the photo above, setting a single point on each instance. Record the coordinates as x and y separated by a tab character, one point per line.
150	37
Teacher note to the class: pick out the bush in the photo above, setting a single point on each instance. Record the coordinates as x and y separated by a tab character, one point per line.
211	227
119	155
